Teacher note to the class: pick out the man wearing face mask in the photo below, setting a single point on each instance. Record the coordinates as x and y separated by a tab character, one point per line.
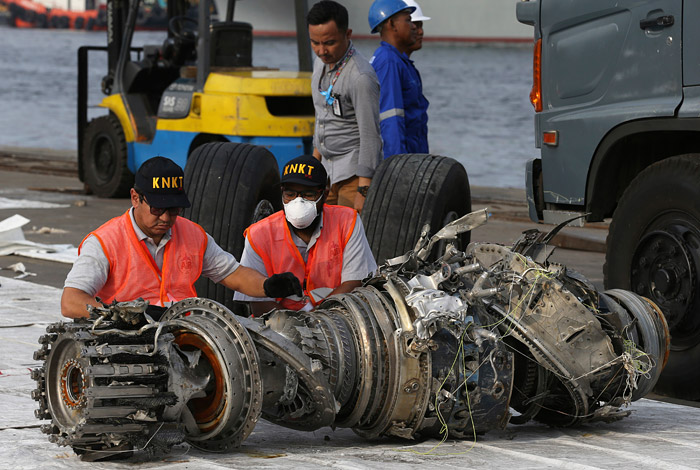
323	245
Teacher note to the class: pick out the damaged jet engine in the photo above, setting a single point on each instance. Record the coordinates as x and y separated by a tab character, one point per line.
455	344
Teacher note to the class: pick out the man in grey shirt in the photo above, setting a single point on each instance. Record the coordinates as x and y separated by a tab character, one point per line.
345	92
151	253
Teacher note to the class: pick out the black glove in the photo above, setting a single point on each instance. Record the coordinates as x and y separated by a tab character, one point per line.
282	285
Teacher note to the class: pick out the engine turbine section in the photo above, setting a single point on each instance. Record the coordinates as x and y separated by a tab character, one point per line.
450	346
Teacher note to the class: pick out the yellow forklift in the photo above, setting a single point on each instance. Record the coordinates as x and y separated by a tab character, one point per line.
197	99
198	86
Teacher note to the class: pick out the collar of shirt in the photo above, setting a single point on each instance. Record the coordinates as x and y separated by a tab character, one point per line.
340	61
301	244
403	55
142	236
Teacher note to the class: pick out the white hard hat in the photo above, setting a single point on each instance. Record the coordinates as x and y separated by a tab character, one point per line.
417	14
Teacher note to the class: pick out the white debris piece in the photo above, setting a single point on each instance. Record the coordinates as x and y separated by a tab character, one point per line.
12	242
48	230
7	203
21	269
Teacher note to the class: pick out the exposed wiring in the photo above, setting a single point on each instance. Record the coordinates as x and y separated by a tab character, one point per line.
123	451
444	430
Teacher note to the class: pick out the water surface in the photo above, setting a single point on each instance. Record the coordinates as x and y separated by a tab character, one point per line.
479	110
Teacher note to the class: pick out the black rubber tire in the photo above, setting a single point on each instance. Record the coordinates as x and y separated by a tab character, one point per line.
41	21
225	182
408	191
653	249
29	16
79	23
105	158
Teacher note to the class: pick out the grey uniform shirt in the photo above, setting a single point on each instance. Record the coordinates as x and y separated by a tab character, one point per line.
358	262
91	270
350	144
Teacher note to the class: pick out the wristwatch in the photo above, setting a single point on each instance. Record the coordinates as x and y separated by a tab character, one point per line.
363	190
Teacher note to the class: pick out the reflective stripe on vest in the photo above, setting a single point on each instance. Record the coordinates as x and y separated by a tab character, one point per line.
272	241
133	272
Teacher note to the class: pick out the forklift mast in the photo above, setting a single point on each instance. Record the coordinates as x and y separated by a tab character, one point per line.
141	74
121	23
116	18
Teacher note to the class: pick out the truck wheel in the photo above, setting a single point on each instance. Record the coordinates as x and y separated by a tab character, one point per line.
408	191
104	158
41	21
653	249
226	183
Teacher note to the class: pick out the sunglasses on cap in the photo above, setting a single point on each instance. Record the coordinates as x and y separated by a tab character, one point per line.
172	211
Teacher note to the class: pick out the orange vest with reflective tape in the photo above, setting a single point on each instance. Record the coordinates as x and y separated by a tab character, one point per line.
272	241
133	272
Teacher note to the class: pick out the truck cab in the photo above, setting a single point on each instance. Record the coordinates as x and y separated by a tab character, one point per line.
616	92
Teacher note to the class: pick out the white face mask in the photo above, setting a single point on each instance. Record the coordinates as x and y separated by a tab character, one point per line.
300	212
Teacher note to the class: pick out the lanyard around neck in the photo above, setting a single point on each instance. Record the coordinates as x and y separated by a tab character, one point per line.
327	94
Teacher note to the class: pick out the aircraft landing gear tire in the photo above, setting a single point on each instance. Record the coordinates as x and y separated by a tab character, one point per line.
653	249
226	183
104	158
408	191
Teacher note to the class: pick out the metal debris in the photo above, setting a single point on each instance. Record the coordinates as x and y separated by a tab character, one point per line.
444	347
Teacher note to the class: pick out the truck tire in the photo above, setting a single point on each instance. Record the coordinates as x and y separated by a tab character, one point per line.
104	158
653	249
408	191
230	186
41	21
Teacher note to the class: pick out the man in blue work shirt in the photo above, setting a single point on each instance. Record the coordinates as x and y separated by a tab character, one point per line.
402	106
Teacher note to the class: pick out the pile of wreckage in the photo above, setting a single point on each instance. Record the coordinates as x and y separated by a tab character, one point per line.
440	342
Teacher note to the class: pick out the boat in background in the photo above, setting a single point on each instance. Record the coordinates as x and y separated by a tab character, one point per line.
476	21
87	15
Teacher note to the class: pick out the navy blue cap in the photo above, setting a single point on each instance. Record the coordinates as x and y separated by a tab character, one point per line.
304	170
161	181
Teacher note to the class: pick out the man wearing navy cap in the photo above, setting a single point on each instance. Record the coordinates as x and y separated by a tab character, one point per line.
150	252
322	244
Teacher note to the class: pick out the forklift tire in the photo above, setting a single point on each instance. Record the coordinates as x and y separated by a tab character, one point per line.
105	158
408	191
653	249
227	184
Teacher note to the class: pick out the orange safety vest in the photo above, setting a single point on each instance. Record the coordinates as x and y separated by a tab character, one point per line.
133	272
272	241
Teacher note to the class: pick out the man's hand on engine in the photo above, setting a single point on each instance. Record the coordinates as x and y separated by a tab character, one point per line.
282	285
